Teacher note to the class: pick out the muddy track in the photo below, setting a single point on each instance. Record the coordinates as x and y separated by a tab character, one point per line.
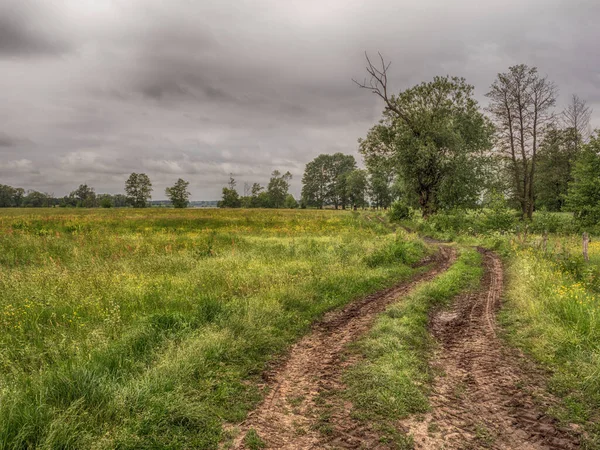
484	396
290	415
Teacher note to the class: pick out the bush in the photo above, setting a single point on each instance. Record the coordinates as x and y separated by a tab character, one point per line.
498	216
399	211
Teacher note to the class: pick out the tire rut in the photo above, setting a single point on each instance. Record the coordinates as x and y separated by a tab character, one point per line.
290	415
484	397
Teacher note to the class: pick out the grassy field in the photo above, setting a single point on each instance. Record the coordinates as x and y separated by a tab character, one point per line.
553	313
149	328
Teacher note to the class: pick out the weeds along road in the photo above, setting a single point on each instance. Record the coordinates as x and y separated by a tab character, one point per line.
483	396
288	418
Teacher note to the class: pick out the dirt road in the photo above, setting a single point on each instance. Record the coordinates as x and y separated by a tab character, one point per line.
483	397
289	417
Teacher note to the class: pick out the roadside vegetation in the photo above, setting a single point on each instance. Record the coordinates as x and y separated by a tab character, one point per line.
551	300
147	328
553	313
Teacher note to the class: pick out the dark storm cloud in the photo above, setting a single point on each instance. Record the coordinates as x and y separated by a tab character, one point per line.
23	32
6	140
203	89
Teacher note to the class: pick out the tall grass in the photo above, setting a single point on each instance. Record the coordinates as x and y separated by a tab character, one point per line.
553	312
148	329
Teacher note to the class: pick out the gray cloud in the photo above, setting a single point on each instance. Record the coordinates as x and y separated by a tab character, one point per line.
96	90
24	33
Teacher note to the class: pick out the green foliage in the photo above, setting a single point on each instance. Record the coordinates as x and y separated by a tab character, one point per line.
584	191
498	216
557	155
436	138
356	185
179	194
399	212
277	189
230	199
290	202
106	202
127	328
10	196
138	189
84	196
325	181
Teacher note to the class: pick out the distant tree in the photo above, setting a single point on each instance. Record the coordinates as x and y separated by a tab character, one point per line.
341	166
290	202
7	196
278	187
10	196
356	185
18	196
584	191
521	103
179	194
435	135
84	196
119	200
316	181
105	201
231	198
557	155
576	117
36	199
258	196
138	189
324	180
380	190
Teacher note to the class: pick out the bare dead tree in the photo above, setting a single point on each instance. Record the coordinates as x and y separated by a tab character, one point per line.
521	107
577	117
378	84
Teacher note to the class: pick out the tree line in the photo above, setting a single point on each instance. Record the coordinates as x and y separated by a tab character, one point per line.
138	193
435	148
276	194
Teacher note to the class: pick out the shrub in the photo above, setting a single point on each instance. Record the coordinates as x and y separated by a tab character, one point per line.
399	211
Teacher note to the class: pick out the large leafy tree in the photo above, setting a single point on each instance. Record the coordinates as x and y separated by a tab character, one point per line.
316	181
179	194
435	135
325	180
584	191
138	189
341	166
356	185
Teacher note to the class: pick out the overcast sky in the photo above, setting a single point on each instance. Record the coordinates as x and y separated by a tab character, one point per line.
92	90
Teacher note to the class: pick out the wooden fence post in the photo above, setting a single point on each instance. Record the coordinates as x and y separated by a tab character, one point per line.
545	242
586	241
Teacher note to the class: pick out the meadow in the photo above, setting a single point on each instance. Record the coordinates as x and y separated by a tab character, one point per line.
150	328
